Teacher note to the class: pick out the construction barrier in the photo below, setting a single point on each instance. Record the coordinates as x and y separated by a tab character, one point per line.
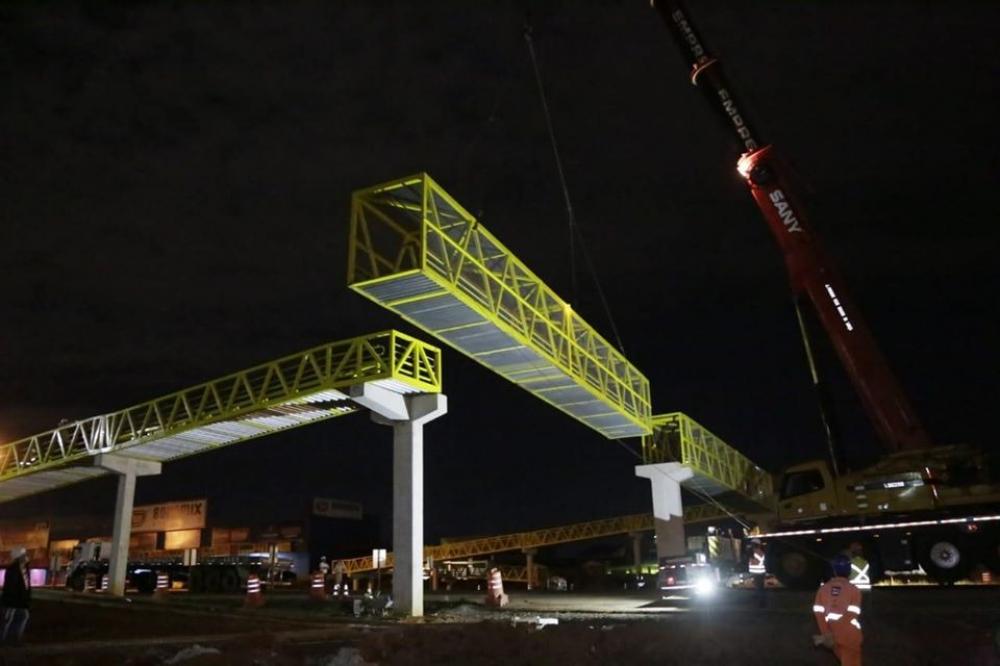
255	599
317	590
494	594
162	590
90	582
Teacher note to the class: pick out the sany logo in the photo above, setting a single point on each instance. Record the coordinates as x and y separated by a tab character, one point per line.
785	211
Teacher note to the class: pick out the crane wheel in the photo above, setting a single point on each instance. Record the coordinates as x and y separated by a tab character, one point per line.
795	568
945	557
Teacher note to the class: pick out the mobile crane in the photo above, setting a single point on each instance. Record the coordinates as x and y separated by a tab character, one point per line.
936	506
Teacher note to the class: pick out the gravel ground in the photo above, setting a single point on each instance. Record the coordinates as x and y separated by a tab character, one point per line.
945	627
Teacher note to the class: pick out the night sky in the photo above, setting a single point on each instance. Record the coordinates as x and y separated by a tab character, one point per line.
175	183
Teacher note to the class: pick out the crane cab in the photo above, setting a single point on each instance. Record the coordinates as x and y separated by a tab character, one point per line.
807	492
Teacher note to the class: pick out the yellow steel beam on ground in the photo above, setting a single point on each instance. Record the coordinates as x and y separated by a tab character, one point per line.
595	529
291	391
416	251
718	467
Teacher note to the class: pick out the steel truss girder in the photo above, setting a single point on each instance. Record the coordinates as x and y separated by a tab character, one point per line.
291	391
718	467
416	251
595	529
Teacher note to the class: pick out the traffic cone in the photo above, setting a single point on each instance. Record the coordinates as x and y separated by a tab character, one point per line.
494	594
255	599
317	588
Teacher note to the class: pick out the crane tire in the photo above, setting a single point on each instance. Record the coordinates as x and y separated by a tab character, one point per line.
945	556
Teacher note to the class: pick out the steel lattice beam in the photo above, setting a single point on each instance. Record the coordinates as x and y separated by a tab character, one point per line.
595	529
417	252
291	391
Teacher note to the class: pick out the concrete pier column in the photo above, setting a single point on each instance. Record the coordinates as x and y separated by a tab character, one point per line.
529	554
407	416
636	550
668	510
127	470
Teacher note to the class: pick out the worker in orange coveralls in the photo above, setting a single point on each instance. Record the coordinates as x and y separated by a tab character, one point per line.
837	608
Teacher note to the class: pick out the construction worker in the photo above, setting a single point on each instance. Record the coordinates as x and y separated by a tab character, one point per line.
758	571
860	567
16	598
339	580
837	608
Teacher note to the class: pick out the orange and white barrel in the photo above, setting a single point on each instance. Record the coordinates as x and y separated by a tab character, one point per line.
317	587
254	598
494	589
162	590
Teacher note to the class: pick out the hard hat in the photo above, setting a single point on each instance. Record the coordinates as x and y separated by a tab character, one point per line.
18	552
841	565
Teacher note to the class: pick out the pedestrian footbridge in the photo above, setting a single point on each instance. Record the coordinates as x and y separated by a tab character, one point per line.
718	470
417	252
296	390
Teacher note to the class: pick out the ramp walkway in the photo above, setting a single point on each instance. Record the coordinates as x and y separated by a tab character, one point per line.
417	252
296	390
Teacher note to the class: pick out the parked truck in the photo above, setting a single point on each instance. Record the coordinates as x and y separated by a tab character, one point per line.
936	507
226	575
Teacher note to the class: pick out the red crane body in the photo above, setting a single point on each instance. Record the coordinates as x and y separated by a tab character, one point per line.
812	274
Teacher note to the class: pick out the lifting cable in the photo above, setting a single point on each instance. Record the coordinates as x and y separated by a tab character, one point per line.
575	235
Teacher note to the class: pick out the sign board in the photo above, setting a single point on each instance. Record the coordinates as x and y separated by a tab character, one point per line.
28	534
182	539
170	516
378	557
224	536
335	508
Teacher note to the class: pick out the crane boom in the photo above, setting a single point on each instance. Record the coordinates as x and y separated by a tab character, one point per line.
812	274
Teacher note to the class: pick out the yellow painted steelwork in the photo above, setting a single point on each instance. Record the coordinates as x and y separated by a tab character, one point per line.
595	529
291	391
416	251
718	467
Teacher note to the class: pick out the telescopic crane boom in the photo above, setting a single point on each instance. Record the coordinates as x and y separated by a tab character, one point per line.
813	275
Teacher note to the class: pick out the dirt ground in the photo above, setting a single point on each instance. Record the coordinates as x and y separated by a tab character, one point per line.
942	627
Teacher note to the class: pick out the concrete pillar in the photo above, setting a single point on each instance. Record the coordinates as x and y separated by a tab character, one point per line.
668	510
636	551
407	416
529	554
127	470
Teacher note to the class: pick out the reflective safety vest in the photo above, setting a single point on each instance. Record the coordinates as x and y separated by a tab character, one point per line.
837	608
859	573
757	563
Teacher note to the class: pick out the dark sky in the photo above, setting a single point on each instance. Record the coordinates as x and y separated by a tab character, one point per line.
175	181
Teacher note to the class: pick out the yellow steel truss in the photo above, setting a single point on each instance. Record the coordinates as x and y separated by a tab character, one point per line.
416	251
284	393
718	467
595	529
